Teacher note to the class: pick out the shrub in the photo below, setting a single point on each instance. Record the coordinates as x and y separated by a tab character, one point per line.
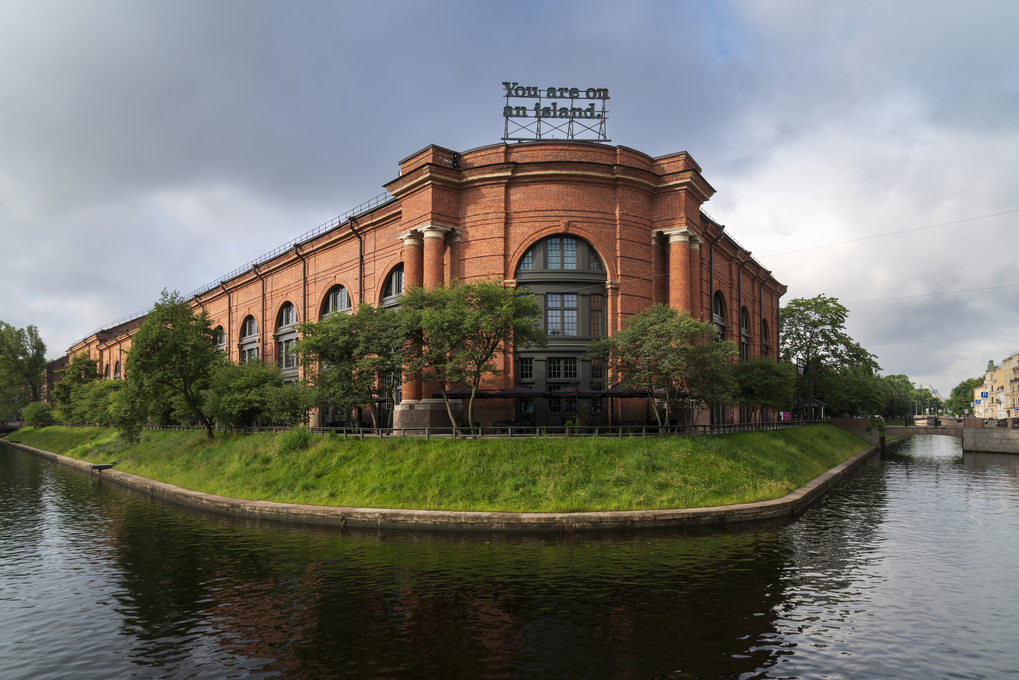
38	414
292	441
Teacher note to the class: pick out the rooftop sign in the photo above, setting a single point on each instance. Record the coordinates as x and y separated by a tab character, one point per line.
554	113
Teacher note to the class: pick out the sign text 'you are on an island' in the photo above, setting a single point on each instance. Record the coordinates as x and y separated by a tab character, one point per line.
554	110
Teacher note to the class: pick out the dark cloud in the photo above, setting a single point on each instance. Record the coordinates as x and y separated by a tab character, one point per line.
160	144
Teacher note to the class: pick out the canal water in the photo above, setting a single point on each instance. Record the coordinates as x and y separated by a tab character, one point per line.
909	570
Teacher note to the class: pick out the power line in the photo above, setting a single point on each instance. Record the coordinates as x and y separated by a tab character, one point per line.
947	292
893	233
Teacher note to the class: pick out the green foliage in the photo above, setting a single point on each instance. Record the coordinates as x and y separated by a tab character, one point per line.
129	410
38	414
962	395
22	364
174	354
855	390
814	338
898	395
764	383
292	441
239	393
662	348
459	331
288	405
511	475
80	371
354	359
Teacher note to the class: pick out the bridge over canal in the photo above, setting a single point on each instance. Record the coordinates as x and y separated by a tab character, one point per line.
975	437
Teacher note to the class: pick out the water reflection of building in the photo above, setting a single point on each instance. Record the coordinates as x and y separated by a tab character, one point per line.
597	232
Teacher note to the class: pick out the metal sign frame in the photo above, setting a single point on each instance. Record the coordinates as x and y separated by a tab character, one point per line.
545	116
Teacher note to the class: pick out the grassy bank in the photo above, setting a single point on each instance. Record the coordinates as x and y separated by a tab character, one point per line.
518	475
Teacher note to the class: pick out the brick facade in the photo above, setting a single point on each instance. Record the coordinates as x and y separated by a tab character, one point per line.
636	219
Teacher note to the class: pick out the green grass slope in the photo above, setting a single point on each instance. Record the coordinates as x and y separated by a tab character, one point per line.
512	475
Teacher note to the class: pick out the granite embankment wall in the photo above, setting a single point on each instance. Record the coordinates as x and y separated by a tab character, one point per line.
786	506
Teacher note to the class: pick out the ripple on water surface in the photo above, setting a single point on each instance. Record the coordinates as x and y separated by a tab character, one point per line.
904	572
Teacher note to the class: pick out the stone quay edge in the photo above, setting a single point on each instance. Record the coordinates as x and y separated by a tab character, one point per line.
390	518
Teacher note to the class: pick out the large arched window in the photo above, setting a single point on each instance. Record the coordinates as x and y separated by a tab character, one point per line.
106	372
220	336
249	343
116	371
744	335
718	313
393	288
337	300
765	342
568	277
286	340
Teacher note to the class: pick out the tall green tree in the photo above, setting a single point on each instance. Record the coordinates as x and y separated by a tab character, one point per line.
460	330
174	352
239	393
962	395
814	338
764	383
81	370
670	351
355	360
22	364
898	391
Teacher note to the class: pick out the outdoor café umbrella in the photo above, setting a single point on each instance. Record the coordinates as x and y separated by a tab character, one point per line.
620	392
518	391
575	391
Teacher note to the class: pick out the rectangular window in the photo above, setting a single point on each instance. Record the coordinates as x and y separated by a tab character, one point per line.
287	356
526	406
570	404
555	404
554	370
597	371
597	315
569	253
593	263
569	369
561	314
554	253
527	369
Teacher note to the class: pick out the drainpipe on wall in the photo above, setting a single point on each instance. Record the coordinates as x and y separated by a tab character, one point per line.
304	283
711	269
261	313
360	262
229	318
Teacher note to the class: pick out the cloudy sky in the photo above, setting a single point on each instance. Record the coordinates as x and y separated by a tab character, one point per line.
865	150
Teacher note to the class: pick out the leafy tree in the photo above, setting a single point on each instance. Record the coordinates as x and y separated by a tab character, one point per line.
461	330
662	348
814	338
38	414
852	389
764	383
962	395
91	403
898	394
239	393
22	364
289	404
174	352
81	370
355	360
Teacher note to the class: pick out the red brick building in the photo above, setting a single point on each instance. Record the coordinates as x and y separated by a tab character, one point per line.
598	232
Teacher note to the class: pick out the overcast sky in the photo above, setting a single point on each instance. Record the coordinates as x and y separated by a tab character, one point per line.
151	144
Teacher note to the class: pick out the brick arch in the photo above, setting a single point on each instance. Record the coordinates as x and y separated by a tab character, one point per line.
325	294
580	232
380	284
258	324
279	308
